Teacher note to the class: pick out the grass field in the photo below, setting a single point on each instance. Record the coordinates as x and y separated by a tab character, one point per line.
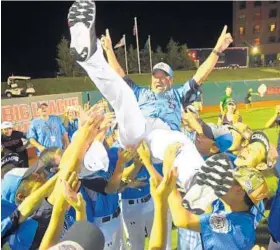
256	120
46	86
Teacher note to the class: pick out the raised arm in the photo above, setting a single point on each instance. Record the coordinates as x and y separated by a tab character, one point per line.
112	60
272	120
160	192
124	156
181	216
71	162
145	155
205	69
55	226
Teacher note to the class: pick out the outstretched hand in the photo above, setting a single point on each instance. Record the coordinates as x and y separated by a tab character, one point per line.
127	154
144	153
224	40
161	190
106	41
169	157
70	188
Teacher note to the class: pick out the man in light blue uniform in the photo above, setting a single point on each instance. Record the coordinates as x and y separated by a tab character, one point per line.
47	131
142	113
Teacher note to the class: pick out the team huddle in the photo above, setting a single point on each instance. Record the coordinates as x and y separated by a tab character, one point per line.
135	162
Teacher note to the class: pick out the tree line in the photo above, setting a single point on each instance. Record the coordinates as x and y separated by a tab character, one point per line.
174	54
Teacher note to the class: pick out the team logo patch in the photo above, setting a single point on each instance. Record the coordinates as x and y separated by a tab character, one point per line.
249	186
219	223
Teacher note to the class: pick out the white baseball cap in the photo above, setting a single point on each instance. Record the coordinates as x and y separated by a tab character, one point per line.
163	67
96	158
6	124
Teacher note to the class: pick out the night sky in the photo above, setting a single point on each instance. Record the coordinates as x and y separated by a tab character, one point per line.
32	30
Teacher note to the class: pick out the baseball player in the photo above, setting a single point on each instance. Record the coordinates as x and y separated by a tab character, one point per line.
107	210
138	213
235	227
142	113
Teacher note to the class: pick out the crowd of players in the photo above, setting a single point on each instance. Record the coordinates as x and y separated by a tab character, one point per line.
109	175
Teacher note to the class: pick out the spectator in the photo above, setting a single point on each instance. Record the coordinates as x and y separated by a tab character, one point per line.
71	121
225	98
13	141
230	114
47	131
274	121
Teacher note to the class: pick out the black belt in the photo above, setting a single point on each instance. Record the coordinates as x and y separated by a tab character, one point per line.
142	200
108	218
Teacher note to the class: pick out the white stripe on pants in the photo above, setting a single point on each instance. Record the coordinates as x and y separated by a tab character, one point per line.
133	127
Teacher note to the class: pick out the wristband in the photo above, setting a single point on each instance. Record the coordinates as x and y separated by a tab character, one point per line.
217	52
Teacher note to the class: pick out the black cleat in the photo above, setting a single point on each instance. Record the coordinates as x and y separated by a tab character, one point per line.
213	181
81	21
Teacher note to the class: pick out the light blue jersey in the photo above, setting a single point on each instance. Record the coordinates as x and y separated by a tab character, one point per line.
167	105
48	133
233	230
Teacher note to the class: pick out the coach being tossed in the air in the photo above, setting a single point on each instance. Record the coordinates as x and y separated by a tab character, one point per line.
163	103
153	115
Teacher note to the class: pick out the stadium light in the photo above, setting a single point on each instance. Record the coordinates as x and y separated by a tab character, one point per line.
255	50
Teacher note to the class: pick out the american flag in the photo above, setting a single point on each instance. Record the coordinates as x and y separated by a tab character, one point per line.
134	29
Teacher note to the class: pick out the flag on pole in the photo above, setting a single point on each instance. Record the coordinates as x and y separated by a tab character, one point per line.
134	30
135	33
150	52
120	43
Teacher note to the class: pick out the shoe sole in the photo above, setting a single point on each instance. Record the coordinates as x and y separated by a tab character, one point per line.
217	175
83	12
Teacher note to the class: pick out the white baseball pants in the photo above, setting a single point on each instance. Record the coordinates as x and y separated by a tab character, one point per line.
111	231
138	219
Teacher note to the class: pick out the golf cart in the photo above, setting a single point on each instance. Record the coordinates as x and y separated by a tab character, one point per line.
19	86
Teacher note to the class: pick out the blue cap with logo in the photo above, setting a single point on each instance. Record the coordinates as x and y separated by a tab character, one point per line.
220	134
